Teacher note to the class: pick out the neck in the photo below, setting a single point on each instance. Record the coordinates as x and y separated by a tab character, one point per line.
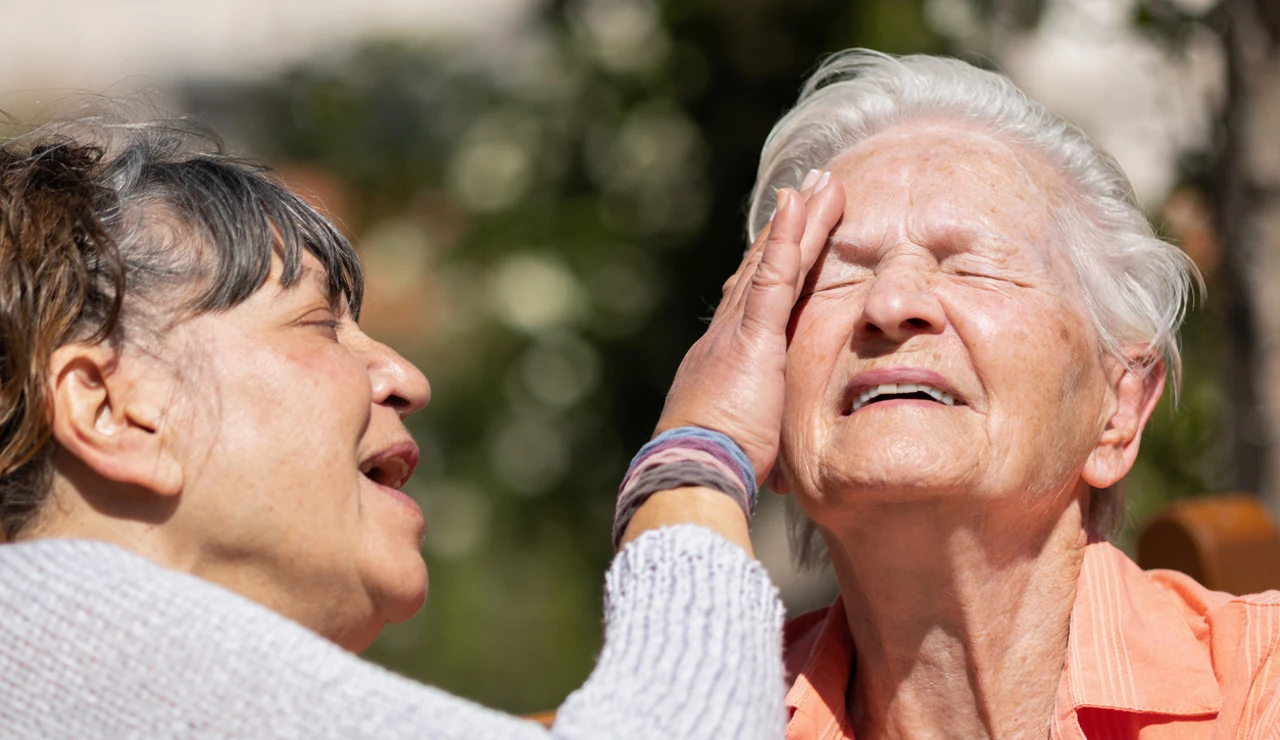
81	506
960	620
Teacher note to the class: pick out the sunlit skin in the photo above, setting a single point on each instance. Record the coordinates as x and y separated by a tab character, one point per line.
256	427
956	532
262	447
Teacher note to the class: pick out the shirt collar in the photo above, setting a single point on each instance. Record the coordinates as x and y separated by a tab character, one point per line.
1129	649
816	701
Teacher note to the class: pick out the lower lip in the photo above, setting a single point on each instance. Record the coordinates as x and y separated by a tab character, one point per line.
400	496
896	402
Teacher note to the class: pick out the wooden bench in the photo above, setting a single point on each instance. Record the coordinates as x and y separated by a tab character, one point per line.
1227	542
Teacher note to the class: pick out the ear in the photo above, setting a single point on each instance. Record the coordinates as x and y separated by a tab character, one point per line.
778	481
1135	388
111	418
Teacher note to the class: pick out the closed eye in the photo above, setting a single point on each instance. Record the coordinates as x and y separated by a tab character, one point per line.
988	276
829	285
973	274
324	319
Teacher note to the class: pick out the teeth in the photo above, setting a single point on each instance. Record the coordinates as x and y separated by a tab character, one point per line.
902	389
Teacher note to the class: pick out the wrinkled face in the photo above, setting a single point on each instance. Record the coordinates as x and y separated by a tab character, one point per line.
942	348
289	427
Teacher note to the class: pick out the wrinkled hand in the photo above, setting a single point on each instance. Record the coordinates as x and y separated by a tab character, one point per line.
732	379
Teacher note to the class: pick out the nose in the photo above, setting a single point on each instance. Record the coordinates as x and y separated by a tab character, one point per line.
900	304
396	382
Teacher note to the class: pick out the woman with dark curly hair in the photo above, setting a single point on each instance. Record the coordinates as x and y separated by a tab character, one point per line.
201	454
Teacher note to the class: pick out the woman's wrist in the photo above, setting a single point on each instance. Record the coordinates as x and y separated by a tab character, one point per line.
680	461
705	507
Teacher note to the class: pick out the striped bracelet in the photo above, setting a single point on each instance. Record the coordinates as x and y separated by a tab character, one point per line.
685	456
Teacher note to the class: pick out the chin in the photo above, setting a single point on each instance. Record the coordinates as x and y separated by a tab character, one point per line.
401	590
391	567
896	463
395	597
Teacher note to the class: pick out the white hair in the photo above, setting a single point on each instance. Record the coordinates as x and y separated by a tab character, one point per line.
1135	285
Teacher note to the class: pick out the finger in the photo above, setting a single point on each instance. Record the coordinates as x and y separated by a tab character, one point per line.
812	183
771	291
810	179
736	286
825	208
730	290
733	288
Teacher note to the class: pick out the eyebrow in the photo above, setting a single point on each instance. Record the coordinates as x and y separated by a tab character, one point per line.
975	234
321	280
836	243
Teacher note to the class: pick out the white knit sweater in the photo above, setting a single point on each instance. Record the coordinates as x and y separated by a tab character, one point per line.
96	642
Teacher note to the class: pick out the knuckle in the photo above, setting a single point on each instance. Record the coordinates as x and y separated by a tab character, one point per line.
750	328
768	276
778	239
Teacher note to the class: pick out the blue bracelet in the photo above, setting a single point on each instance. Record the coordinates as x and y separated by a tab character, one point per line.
723	441
720	455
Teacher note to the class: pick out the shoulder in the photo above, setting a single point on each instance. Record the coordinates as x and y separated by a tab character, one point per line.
1218	618
53	575
97	642
1245	642
1241	636
94	602
1223	623
52	555
42	574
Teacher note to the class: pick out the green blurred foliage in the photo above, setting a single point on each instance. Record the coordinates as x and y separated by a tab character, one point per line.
1181	455
545	222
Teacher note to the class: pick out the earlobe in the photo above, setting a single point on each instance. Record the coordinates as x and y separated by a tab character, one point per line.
777	480
109	421
1136	388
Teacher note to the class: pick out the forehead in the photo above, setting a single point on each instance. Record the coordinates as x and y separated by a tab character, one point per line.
312	279
931	181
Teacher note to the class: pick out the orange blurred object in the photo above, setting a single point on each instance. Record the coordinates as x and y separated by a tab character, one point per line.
1226	542
546	719
1189	217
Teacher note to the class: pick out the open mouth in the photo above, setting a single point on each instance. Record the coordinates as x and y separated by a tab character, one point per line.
391	470
900	391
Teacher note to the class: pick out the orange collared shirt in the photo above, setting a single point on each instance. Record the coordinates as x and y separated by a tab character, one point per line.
1150	655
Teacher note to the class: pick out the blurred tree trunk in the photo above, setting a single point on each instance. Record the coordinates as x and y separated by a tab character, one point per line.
1247	193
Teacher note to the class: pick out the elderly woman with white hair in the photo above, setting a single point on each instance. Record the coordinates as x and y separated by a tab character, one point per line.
969	367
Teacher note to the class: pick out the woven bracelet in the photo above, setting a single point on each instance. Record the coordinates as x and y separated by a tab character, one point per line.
686	456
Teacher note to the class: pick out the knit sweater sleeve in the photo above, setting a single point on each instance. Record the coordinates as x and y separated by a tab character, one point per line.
96	642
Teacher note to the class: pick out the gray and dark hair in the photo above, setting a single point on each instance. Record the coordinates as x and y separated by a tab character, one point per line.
112	223
1135	286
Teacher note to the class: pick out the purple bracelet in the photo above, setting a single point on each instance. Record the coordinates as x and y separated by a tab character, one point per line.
685	456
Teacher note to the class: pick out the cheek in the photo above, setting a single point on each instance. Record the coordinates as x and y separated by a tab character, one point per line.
1046	354
1042	377
1023	342
332	384
817	343
819	337
287	413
